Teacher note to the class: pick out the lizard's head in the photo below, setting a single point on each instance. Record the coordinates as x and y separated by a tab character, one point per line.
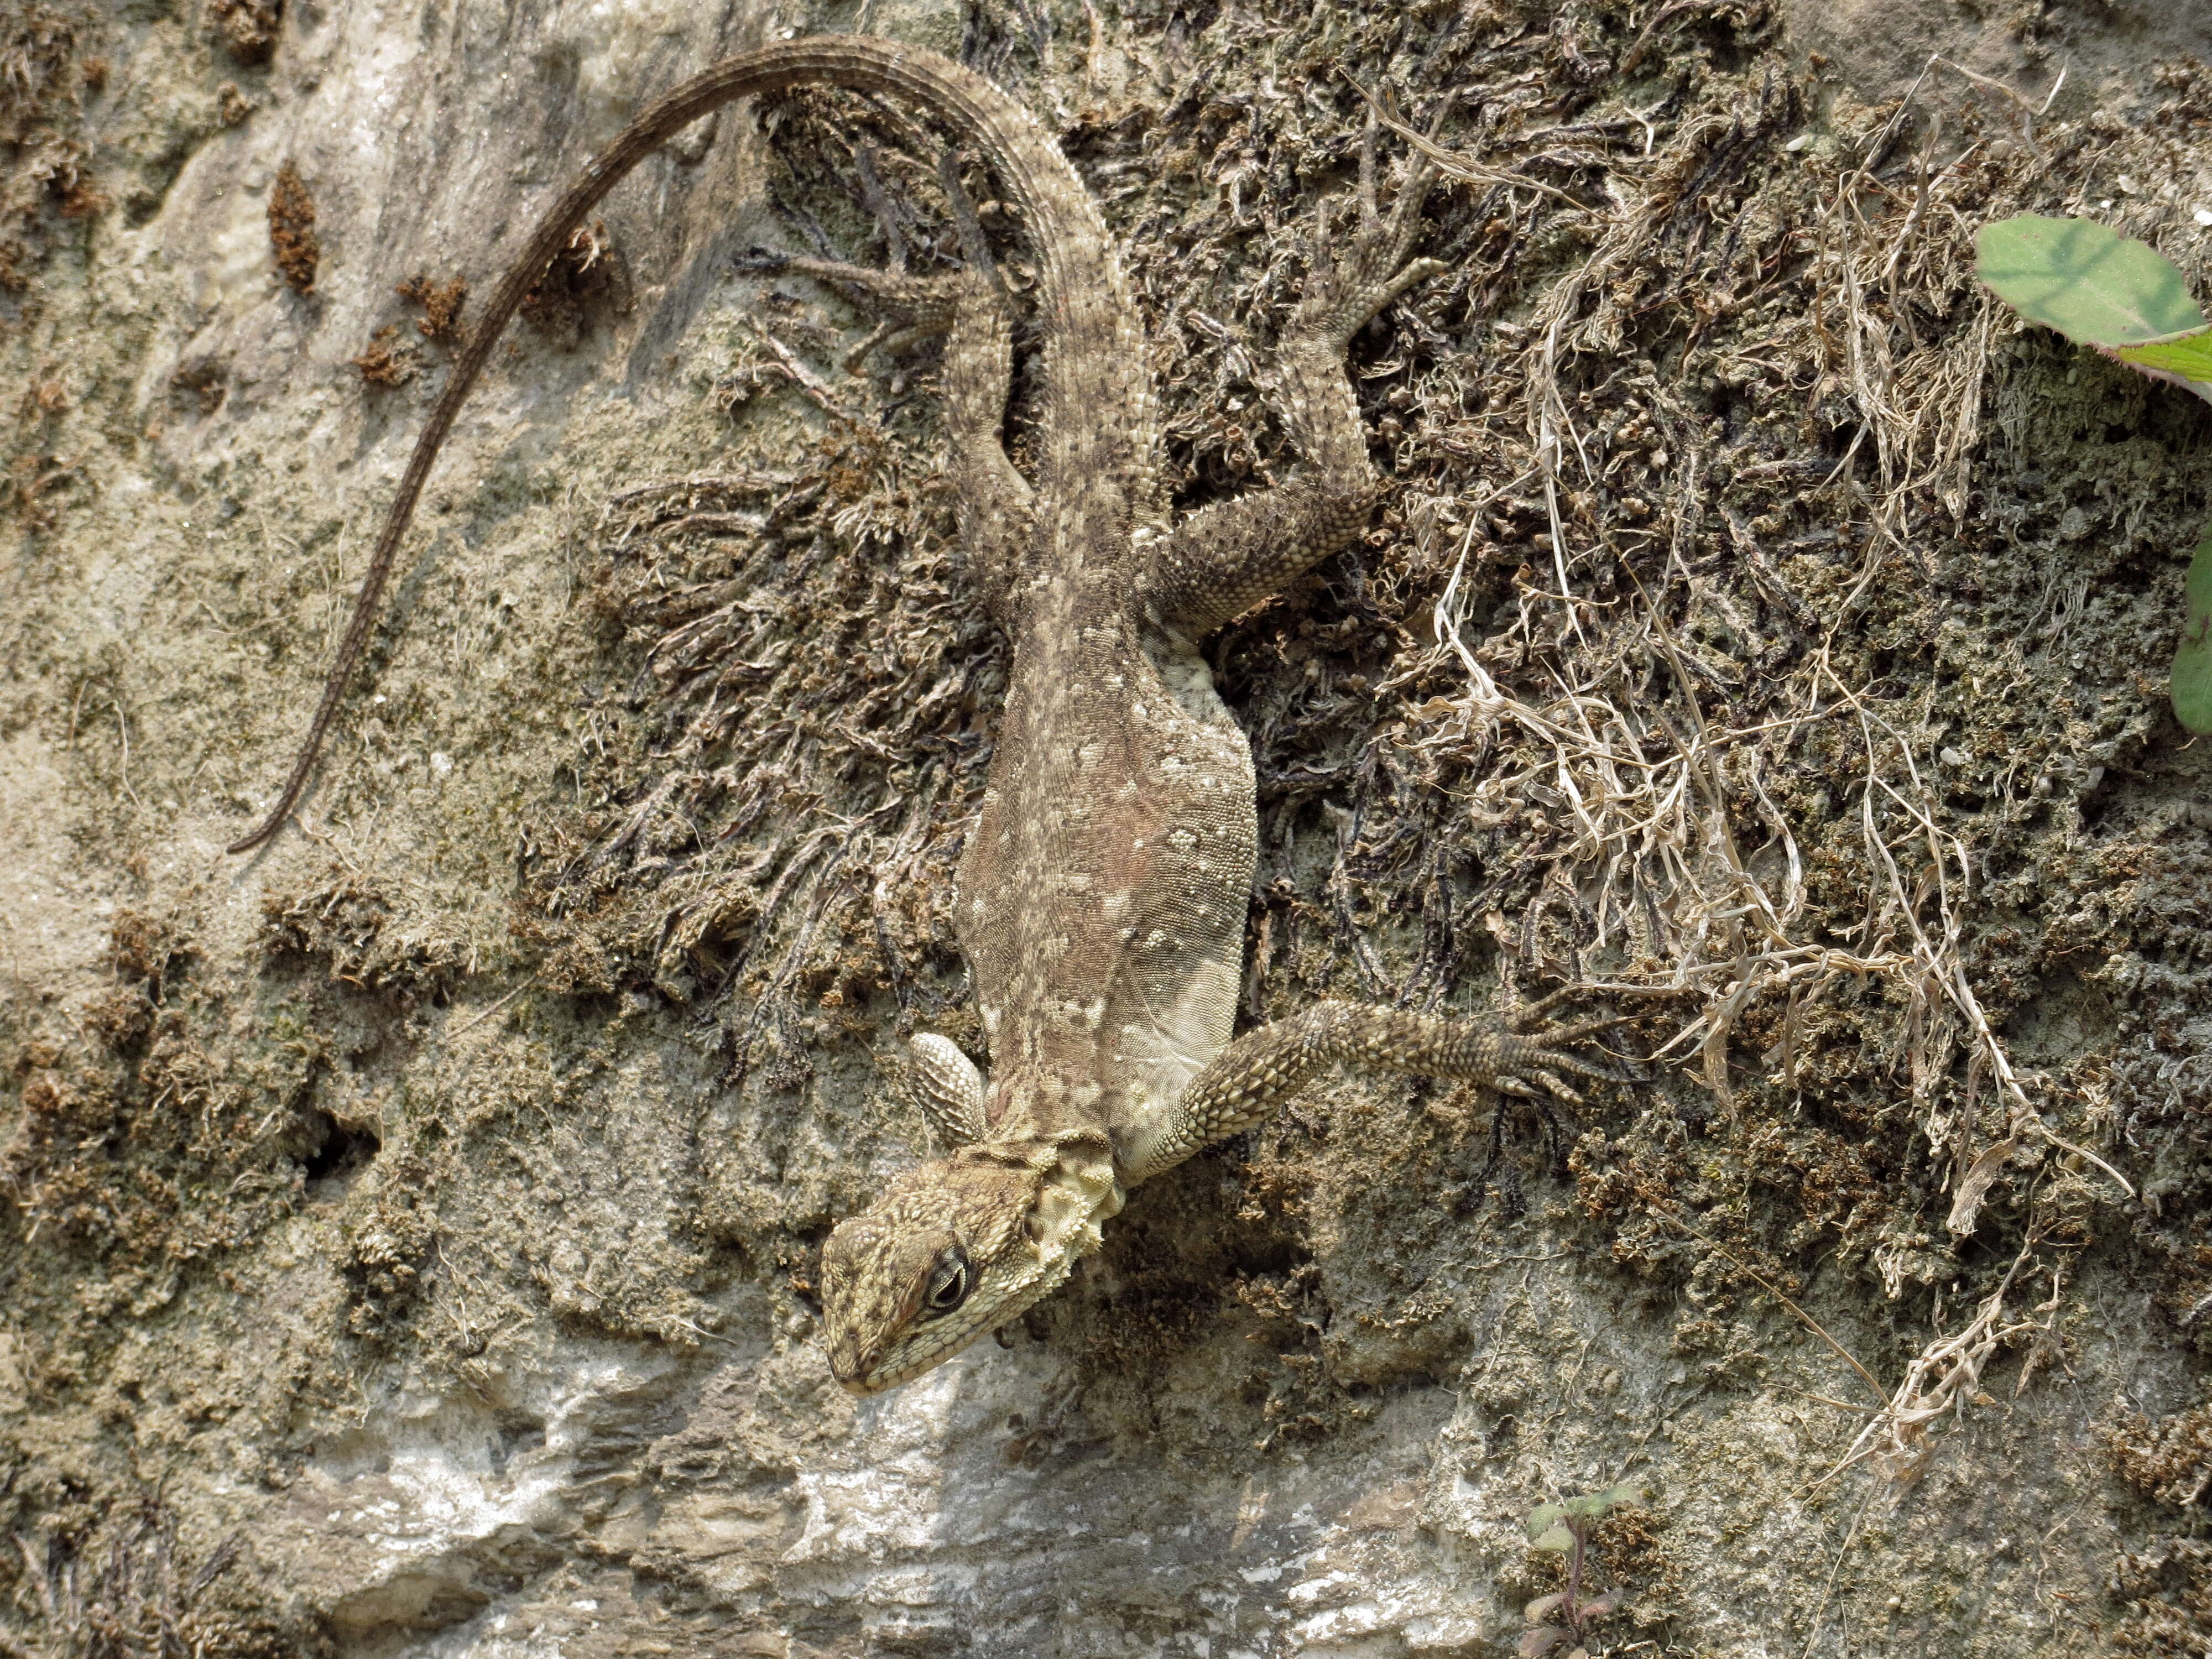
955	1247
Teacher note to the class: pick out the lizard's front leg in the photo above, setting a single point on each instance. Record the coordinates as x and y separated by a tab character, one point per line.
1247	1082
1226	559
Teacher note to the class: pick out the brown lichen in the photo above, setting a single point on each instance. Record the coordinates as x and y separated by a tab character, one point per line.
292	229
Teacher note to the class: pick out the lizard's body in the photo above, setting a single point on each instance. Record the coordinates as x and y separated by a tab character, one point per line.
1101	896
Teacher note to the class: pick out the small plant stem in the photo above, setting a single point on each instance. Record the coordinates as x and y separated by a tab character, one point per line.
1572	1606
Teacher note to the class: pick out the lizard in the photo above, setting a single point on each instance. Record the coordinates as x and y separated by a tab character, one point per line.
1101	893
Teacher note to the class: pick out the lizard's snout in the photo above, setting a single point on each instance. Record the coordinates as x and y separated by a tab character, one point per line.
851	1364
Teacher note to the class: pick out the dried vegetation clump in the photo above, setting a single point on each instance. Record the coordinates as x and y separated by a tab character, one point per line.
43	165
441	304
2164	1584
136	1151
35	472
112	1581
2170	1460
247	28
384	362
342	928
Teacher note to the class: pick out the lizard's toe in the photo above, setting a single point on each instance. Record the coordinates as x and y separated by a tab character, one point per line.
758	260
1557	1086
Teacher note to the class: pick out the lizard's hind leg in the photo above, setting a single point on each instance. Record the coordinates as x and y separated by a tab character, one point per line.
993	499
913	307
1226	559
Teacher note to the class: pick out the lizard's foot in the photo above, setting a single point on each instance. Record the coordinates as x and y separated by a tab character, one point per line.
1534	1051
1346	288
1532	1062
919	304
913	308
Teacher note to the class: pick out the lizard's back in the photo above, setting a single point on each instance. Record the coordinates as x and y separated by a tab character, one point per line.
1103	893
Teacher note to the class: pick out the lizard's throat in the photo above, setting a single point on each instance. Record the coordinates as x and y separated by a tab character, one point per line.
1078	1194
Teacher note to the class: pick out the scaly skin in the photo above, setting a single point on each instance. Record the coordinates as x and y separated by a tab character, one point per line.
1103	893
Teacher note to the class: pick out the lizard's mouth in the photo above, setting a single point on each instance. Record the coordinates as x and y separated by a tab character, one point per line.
862	1372
859	1384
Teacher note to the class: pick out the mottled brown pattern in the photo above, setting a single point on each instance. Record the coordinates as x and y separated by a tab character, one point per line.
1104	891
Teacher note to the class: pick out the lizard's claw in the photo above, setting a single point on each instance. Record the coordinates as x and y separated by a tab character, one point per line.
759	260
1544	1055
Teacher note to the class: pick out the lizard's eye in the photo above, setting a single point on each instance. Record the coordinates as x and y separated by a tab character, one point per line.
948	1282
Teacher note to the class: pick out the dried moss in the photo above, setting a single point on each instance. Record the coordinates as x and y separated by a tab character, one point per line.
292	238
2170	1460
344	926
142	1148
441	304
384	364
248	28
44	165
2166	1590
121	1586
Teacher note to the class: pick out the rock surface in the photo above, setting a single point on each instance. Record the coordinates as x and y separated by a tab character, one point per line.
386	1274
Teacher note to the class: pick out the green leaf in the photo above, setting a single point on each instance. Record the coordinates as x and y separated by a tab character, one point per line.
2186	361
1544	1516
1558	1541
2192	659
1535	1643
1598	1503
1543	1606
2089	281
